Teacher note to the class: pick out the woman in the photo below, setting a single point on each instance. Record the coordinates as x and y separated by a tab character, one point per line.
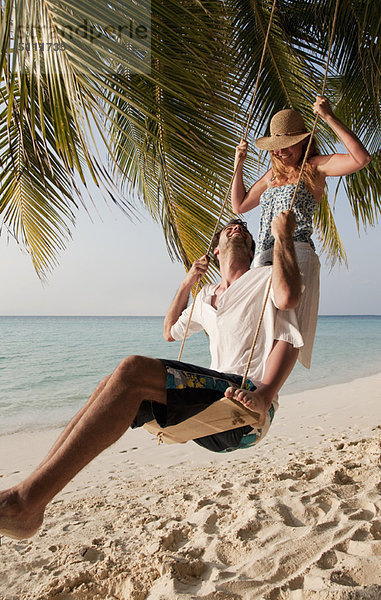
287	144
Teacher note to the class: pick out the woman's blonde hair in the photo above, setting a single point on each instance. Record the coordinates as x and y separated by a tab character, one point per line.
309	171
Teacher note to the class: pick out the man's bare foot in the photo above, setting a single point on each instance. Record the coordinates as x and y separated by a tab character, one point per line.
15	520
259	401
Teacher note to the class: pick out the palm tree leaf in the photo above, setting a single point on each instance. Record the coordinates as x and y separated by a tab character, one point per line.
364	193
286	70
169	108
36	198
185	150
81	85
330	241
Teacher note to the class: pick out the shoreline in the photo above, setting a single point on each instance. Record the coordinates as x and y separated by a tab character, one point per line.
303	419
30	430
48	370
297	517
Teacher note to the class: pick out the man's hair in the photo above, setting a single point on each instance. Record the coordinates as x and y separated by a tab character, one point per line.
216	238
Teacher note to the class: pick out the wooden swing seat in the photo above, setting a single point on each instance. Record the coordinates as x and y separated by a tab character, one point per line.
222	415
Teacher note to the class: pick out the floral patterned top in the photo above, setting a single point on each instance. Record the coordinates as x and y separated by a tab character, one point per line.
276	199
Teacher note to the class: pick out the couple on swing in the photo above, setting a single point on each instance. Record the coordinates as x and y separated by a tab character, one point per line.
142	389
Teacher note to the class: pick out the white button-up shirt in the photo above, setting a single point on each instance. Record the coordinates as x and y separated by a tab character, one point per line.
232	326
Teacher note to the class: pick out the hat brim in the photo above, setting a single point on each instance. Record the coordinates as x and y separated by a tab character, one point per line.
277	142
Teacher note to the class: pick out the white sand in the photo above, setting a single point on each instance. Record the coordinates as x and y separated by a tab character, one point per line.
297	517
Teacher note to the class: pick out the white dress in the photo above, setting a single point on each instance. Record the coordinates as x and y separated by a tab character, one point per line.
272	202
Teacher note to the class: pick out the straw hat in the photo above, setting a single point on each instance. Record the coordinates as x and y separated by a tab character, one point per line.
287	128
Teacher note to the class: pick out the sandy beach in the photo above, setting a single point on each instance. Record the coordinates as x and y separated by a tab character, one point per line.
298	517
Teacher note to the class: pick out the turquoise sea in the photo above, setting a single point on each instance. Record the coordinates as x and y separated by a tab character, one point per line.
50	365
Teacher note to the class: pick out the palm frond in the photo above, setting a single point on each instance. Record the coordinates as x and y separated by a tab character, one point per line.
36	202
364	193
177	157
90	81
330	241
169	108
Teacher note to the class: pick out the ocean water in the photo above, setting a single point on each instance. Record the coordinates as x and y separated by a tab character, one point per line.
50	365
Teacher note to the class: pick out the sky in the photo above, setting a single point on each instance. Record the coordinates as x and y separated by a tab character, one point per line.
115	266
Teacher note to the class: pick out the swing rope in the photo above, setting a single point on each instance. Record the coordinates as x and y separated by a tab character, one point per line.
295	191
245	131
317	116
294	195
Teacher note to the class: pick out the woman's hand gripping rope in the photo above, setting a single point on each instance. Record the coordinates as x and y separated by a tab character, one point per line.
240	153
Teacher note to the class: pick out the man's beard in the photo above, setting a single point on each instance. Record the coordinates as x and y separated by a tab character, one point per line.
237	242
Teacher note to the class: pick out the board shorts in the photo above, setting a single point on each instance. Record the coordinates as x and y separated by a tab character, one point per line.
192	389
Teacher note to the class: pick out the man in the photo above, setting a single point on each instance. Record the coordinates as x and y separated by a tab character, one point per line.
229	313
143	388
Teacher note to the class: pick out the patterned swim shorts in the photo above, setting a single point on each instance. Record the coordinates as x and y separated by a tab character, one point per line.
191	389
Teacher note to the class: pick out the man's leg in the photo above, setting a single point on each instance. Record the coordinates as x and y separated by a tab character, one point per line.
106	417
279	365
69	428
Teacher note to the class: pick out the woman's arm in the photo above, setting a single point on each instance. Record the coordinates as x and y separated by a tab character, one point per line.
339	164
243	201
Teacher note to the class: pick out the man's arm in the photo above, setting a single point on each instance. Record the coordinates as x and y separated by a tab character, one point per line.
180	301
286	279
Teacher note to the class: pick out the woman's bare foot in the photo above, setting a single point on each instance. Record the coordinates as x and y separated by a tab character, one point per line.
259	401
15	520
